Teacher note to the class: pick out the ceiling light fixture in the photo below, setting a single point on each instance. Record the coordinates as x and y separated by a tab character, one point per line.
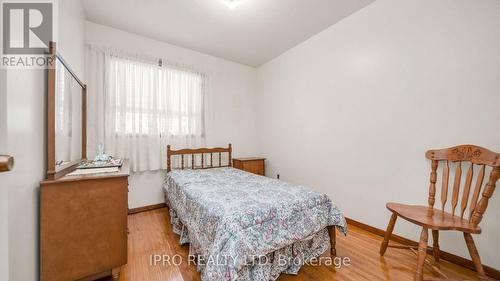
232	3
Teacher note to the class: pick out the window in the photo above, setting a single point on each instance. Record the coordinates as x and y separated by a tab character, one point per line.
148	100
136	108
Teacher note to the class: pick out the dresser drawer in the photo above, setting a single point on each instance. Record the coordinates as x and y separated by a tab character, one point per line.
83	227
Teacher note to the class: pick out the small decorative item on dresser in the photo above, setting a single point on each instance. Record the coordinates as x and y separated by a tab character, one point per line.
254	165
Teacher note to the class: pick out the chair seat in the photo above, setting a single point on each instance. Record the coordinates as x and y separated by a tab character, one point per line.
432	218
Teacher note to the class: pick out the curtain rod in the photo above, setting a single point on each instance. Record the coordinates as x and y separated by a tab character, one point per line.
155	60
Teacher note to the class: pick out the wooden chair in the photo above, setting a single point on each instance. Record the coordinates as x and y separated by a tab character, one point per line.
438	219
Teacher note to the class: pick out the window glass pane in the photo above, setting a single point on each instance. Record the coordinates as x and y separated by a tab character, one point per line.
152	100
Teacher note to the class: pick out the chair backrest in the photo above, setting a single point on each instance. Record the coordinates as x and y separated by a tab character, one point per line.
472	156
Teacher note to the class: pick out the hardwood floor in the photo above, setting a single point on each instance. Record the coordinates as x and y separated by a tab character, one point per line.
151	233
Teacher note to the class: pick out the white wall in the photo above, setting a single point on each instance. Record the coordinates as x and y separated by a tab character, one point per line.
352	110
71	35
26	90
231	100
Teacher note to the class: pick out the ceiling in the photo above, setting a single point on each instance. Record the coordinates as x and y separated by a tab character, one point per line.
253	33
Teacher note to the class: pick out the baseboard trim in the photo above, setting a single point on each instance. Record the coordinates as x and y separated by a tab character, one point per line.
146	208
491	272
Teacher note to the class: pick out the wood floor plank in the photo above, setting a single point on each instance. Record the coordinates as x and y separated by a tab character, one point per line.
151	233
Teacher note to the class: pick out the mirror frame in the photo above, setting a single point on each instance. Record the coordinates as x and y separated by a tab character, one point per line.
54	172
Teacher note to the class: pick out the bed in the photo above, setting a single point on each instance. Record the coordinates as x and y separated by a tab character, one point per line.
242	226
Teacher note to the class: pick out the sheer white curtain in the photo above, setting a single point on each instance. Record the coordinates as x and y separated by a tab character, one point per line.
136	108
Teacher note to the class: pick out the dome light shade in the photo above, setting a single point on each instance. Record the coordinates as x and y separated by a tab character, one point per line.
232	3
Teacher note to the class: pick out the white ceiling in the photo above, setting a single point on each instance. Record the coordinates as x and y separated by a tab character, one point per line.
252	34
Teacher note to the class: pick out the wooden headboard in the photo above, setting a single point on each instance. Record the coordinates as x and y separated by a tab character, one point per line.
208	152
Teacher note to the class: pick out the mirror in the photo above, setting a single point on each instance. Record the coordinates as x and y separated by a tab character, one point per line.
68	118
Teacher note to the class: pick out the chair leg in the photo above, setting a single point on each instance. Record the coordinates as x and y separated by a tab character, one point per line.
422	252
474	254
388	233
333	240
435	245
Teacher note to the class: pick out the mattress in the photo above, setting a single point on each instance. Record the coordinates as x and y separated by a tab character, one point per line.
234	218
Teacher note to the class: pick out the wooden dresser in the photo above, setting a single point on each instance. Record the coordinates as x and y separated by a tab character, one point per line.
254	165
83	226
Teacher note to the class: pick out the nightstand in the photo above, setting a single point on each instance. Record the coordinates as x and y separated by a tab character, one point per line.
254	165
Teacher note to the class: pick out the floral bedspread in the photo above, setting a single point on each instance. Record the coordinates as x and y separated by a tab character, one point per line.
235	218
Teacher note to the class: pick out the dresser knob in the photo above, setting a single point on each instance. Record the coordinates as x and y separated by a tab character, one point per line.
6	163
